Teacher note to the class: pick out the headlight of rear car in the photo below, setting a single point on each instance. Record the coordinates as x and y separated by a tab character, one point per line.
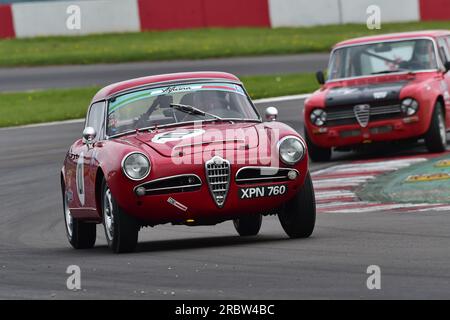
136	166
318	117
291	150
410	106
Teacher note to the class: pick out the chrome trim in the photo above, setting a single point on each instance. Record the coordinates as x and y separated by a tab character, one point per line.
288	137
436	53
168	178
337	115
125	172
264	168
221	203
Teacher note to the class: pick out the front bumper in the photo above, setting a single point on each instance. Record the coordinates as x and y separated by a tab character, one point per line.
198	206
377	131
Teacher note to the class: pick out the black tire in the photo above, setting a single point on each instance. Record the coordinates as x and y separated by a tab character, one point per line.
122	236
435	138
316	153
81	235
298	216
248	225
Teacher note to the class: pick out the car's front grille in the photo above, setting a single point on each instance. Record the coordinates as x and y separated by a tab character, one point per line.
342	115
218	177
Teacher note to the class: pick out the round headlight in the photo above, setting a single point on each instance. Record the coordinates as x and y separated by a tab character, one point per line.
291	150
409	106
318	117
136	166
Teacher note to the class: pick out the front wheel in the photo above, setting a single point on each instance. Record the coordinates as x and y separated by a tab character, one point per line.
121	230
298	216
316	153
81	235
248	225
436	137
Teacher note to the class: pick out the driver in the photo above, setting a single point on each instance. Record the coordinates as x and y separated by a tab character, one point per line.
163	102
211	100
423	54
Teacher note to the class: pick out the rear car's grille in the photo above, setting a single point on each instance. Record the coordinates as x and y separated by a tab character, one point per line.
342	115
178	183
250	175
218	177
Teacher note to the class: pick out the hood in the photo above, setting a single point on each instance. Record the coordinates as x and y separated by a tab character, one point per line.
368	93
195	138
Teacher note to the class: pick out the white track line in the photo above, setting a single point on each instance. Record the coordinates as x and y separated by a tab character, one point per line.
44	124
382	207
283	98
390	165
334	195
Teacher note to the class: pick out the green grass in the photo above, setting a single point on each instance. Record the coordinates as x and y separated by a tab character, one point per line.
63	104
187	44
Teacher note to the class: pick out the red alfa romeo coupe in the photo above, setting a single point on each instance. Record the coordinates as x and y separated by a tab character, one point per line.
382	88
188	149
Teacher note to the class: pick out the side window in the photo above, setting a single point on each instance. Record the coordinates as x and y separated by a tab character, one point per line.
96	117
444	51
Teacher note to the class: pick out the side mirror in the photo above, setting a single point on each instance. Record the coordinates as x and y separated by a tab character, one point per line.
447	66
320	77
89	135
271	114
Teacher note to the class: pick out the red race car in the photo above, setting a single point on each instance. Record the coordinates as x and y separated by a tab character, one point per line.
382	88
188	149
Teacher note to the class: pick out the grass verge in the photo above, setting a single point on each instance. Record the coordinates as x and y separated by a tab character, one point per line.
63	104
187	44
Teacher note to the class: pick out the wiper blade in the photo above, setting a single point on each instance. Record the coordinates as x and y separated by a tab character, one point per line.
389	71
192	110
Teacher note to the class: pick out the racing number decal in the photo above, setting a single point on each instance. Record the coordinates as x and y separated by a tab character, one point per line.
80	178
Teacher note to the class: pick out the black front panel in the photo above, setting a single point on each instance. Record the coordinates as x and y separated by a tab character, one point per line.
383	99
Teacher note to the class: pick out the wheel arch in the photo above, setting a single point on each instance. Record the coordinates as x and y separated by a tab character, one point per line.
439	98
62	180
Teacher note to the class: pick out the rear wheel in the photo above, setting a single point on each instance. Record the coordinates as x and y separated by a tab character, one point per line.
81	235
248	225
298	217
316	153
436	137
121	230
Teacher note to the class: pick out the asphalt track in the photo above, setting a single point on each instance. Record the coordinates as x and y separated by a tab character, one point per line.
173	262
20	79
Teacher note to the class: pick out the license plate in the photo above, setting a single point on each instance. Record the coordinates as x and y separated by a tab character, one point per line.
260	192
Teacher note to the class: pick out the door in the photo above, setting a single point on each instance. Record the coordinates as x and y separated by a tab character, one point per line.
84	162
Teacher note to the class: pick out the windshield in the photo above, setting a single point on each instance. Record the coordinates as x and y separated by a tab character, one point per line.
177	104
382	57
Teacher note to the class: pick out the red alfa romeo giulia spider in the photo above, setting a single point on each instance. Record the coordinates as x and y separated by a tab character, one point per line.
188	149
